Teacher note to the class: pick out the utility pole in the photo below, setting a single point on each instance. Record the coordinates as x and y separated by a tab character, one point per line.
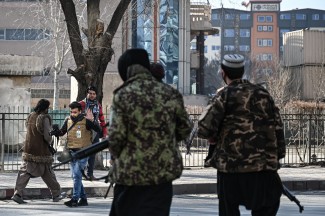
222	15
200	72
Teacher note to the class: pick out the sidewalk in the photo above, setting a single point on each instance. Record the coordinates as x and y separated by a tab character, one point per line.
193	181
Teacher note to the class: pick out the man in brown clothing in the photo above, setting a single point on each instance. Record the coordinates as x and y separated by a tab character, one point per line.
37	158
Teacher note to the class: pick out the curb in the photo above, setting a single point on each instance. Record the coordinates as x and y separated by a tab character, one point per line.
178	189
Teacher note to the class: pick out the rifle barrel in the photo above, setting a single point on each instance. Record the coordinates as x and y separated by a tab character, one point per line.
291	197
85	152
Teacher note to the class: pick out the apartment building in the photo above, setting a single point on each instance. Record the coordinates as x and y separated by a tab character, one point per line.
257	31
22	34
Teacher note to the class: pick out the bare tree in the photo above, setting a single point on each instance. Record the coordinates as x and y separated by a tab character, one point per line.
55	42
281	83
91	62
212	78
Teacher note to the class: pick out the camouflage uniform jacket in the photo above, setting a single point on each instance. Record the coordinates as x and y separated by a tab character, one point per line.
247	128
147	121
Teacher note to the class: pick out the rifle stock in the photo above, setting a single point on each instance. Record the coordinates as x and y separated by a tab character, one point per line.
292	198
85	152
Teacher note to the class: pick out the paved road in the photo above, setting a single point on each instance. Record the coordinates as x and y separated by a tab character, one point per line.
187	205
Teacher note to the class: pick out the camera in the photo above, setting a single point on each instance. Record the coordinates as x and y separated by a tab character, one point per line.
55	130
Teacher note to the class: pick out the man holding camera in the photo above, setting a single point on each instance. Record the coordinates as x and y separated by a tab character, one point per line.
78	128
37	157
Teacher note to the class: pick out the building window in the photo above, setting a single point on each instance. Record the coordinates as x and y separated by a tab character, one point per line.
14	34
282	31
229	33
281	48
260	18
262	28
205	49
269	18
264	57
264	18
24	34
244	33
300	17
315	17
214	47
215	16
168	34
229	48
2	34
244	16
285	16
264	42
33	34
20	0
244	48
193	46
266	71
229	16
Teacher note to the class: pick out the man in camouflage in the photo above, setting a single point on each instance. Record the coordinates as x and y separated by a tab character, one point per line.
247	128
147	121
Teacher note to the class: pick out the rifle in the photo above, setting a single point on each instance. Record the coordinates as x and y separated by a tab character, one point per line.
85	152
189	140
291	197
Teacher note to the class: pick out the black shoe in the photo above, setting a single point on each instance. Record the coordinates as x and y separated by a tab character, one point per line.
83	202
91	178
17	198
71	203
60	197
207	163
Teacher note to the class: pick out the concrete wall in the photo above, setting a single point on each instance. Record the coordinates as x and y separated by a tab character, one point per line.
15	96
15	91
196	100
15	78
112	81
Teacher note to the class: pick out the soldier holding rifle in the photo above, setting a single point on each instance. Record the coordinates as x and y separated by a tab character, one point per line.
246	126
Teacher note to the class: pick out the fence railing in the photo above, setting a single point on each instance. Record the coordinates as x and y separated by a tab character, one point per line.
304	133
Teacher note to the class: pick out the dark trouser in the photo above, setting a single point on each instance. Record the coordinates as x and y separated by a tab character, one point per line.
151	200
210	152
258	191
91	160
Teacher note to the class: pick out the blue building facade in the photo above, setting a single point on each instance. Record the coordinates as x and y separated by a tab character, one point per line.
163	29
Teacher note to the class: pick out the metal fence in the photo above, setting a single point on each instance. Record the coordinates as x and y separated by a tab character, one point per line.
305	139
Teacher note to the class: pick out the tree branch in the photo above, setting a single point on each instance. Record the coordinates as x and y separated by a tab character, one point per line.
117	17
92	16
69	11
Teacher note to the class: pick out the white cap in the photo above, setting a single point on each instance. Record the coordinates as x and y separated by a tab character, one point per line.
233	61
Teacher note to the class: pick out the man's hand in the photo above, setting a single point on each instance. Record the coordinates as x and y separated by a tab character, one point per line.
89	115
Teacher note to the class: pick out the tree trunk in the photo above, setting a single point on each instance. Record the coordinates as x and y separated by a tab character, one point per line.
92	62
56	95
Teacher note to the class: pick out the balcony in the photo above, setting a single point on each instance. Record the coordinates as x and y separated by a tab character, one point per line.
200	13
